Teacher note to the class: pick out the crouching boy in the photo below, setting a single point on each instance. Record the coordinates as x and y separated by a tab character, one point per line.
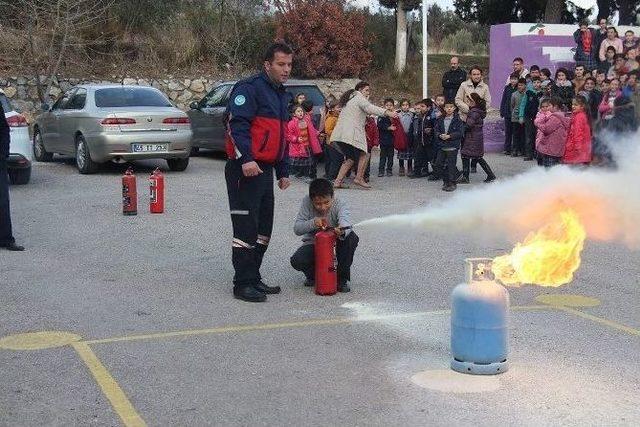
321	211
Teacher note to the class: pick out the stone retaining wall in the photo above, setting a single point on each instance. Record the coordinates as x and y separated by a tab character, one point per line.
24	96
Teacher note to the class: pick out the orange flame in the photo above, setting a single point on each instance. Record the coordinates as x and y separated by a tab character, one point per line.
547	257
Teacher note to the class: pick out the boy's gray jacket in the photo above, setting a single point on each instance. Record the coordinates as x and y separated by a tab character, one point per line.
338	216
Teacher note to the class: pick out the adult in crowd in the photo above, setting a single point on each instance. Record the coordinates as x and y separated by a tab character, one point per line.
586	46
349	134
601	34
473	85
518	68
257	119
452	79
7	240
612	40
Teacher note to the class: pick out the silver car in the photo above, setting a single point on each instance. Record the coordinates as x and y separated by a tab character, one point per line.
101	123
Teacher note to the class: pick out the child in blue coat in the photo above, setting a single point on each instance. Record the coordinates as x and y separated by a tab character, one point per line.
448	134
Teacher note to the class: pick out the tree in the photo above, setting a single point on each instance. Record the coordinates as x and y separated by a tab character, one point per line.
553	11
51	28
328	40
401	7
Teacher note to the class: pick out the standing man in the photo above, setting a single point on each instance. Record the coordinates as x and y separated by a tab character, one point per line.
474	84
586	46
257	119
519	68
601	34
452	79
6	235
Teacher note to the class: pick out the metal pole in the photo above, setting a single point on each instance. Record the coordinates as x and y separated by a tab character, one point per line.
425	39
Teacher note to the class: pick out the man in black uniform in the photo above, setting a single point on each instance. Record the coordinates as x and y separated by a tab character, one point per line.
452	79
257	119
6	236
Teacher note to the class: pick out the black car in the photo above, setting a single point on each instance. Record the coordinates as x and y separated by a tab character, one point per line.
207	114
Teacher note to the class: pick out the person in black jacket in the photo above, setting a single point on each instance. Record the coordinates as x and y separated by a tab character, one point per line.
505	111
452	79
422	139
448	134
6	235
534	95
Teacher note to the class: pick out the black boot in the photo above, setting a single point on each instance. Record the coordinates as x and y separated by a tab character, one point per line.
249	294
487	169
464	177
262	287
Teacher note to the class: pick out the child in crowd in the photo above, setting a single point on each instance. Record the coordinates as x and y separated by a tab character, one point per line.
534	73
449	131
406	120
631	86
630	41
422	138
332	156
473	146
302	137
563	88
609	61
593	97
438	109
373	140
578	77
632	61
552	128
606	105
547	83
299	98
385	130
578	147
518	103
321	211
506	110
534	95
600	78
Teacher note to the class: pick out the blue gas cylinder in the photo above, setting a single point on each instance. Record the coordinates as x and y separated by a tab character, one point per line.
479	322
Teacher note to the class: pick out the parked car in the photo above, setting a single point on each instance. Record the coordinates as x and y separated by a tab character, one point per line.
101	123
207	114
20	154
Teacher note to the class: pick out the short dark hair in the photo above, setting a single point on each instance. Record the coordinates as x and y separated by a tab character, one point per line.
563	71
584	22
628	31
601	72
320	187
428	102
611	48
522	82
534	68
307	105
280	47
388	100
403	100
556	102
619	56
590	79
545	100
440	95
476	67
362	85
546	72
518	59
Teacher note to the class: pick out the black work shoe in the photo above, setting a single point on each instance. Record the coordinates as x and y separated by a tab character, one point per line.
13	247
249	294
343	287
463	180
490	178
309	282
265	289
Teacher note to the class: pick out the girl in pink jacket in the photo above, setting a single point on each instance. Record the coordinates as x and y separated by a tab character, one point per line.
577	150
303	141
552	128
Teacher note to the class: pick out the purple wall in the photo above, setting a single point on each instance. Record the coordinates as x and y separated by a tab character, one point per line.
504	47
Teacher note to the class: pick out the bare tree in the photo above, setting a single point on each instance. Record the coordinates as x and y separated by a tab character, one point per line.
50	29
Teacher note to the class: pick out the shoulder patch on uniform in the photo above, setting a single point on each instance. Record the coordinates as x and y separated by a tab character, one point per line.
239	100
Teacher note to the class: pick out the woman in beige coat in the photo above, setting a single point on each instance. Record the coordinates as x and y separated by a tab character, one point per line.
349	134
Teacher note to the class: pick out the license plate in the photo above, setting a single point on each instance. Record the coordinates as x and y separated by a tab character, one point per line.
148	148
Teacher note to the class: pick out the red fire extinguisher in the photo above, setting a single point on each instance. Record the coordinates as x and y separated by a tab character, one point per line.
156	185
325	256
129	193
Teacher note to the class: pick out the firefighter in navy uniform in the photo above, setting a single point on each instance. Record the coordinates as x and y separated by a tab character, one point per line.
257	119
6	236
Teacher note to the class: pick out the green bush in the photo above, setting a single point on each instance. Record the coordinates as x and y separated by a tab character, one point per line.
461	42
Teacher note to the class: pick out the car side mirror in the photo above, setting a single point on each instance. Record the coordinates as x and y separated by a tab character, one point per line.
45	107
194	105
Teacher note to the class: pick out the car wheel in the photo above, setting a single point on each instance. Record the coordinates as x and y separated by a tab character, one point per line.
83	158
194	151
19	176
39	152
178	165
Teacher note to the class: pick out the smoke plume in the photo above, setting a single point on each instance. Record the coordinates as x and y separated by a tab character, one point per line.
607	200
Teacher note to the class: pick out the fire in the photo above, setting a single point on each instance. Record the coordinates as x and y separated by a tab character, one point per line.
547	257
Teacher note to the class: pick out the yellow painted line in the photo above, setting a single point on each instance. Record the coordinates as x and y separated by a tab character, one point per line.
600	320
284	325
119	401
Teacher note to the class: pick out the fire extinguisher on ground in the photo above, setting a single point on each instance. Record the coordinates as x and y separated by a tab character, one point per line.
326	265
156	193
129	193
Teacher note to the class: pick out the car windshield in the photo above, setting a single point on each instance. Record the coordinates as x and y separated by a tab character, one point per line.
130	97
6	106
311	92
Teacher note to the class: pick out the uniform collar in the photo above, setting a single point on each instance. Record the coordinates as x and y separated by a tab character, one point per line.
265	77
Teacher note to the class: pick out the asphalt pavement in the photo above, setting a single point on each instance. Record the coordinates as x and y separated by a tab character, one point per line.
160	340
